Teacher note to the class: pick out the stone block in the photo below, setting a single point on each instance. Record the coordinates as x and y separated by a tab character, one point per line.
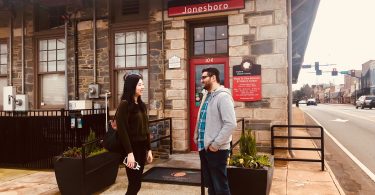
85	25
235	41
272	61
175	34
179	124
281	17
181	53
176	113
175	74
260	20
281	46
180	145
4	33
282	75
179	84
249	7
236	19
272	32
239	50
279	103
269	5
175	94
243	29
274	90
270	114
234	61
262	47
268	75
179	104
263	136
244	113
178	44
178	134
178	24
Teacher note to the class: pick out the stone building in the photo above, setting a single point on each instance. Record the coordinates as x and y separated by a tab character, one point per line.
56	51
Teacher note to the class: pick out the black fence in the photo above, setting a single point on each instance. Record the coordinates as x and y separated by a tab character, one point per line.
321	138
30	139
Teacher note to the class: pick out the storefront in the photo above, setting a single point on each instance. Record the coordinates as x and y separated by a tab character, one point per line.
168	42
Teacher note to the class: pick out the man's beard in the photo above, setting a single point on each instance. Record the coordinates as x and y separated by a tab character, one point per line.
207	86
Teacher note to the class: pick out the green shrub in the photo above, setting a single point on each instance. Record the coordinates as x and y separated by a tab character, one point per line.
248	156
91	150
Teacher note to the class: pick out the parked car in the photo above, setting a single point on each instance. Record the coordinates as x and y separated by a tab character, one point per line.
311	101
302	102
365	101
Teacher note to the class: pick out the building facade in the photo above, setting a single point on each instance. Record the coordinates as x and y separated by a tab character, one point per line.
57	51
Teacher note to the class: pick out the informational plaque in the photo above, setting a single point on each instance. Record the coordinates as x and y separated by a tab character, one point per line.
174	62
247	82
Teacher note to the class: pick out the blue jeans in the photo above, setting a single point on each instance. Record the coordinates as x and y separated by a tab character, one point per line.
214	167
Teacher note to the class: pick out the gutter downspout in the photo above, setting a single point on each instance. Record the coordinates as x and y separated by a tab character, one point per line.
162	52
290	73
10	80
94	37
23	51
75	47
66	65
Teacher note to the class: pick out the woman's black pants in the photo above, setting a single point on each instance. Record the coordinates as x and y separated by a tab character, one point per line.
135	176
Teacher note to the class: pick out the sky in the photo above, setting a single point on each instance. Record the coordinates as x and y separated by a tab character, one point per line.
343	34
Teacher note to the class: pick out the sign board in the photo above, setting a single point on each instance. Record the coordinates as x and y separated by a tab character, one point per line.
174	62
190	7
247	82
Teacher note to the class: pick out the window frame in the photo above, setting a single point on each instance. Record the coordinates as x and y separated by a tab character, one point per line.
4	41
214	23
114	70
38	74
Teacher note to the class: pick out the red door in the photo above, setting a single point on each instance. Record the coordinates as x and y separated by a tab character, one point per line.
195	95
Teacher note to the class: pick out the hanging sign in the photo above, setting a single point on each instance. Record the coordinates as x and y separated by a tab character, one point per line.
189	7
247	82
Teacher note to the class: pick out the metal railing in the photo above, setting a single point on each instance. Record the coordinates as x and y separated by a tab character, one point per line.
233	145
289	148
30	139
163	137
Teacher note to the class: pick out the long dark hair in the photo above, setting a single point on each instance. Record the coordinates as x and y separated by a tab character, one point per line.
130	84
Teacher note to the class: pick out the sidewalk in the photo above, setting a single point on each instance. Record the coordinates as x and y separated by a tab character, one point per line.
294	178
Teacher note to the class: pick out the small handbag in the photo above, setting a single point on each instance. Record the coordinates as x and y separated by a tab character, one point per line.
111	140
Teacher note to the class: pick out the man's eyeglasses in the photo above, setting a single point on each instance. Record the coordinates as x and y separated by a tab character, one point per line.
204	77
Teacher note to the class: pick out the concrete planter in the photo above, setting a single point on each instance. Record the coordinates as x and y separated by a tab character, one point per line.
77	176
250	181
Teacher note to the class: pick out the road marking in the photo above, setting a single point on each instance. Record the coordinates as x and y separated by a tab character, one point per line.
340	120
347	152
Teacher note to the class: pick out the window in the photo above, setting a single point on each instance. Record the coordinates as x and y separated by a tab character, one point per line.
210	40
130	53
51	72
3	70
3	59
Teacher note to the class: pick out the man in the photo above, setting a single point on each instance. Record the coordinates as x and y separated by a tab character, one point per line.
213	133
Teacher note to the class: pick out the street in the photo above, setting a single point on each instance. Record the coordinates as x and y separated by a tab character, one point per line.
350	148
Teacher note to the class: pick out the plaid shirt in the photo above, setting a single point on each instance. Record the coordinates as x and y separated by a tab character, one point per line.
202	123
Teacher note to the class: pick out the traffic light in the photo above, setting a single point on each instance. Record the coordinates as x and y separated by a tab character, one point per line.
316	66
352	73
319	72
334	72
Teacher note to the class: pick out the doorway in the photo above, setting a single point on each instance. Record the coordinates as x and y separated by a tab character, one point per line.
195	93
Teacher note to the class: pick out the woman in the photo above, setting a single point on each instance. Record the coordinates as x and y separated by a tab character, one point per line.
132	126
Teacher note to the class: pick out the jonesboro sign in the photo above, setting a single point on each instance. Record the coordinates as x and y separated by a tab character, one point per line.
188	7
